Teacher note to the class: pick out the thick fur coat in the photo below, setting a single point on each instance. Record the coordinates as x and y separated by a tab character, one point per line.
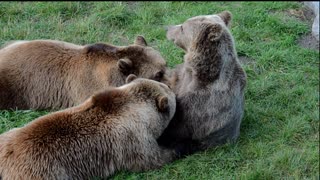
113	130
47	74
209	85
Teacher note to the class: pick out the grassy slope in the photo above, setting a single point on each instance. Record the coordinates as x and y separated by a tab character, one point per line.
280	129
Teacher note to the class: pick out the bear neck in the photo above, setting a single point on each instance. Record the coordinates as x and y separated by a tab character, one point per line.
117	78
211	59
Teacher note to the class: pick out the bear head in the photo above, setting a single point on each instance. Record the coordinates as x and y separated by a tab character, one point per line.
198	29
157	100
138	58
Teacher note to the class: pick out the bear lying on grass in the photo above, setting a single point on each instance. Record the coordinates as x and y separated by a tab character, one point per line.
209	85
112	130
47	74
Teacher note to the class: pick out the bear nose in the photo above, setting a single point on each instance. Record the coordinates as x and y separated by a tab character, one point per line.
167	27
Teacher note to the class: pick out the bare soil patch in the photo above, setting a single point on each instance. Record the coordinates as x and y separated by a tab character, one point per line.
307	41
305	15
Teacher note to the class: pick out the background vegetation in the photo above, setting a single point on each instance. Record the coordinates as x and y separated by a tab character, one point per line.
280	130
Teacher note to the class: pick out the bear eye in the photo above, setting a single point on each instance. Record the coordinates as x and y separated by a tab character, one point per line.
181	28
159	76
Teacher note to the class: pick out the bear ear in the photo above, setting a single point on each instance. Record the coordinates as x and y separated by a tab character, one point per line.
130	78
213	31
100	48
125	65
162	103
226	16
140	41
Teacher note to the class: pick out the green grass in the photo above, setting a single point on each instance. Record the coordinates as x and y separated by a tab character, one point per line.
280	130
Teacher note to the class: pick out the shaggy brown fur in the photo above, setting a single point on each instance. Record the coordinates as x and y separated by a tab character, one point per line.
111	131
47	74
209	85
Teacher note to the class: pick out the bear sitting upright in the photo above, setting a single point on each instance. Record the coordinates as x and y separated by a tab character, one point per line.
48	74
111	131
209	85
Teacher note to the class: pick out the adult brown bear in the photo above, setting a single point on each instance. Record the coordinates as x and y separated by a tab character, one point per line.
113	130
47	74
209	85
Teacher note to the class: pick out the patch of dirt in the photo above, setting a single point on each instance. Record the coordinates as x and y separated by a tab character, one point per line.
308	41
304	14
307	15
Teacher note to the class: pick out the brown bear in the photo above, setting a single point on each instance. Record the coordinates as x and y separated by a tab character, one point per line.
49	74
113	130
209	85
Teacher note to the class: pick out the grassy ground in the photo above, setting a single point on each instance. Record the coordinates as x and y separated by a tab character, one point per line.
280	130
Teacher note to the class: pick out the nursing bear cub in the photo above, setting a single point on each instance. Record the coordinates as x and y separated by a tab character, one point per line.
209	85
47	74
113	130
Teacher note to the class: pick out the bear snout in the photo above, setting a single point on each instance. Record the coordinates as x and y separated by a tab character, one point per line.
166	28
171	32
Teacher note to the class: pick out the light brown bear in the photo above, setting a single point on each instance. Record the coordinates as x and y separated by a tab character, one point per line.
209	85
48	74
112	130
